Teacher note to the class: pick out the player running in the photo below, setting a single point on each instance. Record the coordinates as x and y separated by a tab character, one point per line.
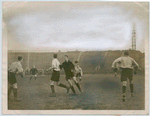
56	75
14	69
34	73
78	71
69	69
127	65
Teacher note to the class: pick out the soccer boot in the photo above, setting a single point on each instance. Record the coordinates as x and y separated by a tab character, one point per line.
132	94
68	88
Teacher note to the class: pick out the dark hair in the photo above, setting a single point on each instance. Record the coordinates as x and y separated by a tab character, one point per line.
76	61
66	55
19	58
126	53
55	55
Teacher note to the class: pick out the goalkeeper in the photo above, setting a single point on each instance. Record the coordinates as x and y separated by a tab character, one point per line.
14	69
33	72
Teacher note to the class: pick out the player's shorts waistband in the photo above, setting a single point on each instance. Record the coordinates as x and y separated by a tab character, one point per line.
126	68
11	72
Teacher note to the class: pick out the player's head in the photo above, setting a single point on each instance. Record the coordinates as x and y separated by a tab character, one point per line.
33	66
66	58
55	55
20	58
76	63
126	53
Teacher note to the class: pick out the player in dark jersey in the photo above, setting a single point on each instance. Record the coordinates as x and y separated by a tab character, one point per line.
34	73
69	69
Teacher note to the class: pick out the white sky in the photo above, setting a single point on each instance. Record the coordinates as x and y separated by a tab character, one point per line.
75	25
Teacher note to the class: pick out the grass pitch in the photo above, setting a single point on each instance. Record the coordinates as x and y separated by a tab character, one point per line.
100	92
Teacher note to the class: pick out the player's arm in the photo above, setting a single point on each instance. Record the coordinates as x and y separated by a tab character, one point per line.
136	65
81	71
114	64
20	70
50	68
61	66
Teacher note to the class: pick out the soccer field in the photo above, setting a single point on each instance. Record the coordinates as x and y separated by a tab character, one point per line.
101	92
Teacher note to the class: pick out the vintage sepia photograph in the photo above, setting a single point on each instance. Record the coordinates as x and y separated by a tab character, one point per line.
75	57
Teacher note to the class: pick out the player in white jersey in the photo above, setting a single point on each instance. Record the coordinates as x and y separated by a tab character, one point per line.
127	65
14	68
78	71
56	75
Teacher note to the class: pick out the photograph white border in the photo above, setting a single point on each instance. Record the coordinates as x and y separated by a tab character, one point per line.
72	112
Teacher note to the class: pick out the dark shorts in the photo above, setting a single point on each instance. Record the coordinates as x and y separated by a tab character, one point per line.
11	78
55	76
115	69
69	75
78	75
126	73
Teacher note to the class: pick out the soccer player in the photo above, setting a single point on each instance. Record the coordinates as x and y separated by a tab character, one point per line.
78	70
33	72
127	65
69	69
56	75
15	68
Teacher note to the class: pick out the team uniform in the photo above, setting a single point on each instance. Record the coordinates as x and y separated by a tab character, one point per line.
56	70
33	73
56	76
127	66
15	68
78	72
69	69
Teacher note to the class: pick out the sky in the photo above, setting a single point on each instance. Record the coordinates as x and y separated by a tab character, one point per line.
81	26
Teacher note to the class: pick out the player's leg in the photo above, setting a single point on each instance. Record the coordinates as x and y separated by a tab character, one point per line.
15	87
35	76
130	76
10	89
71	85
124	83
131	88
77	84
52	86
30	78
63	86
79	76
